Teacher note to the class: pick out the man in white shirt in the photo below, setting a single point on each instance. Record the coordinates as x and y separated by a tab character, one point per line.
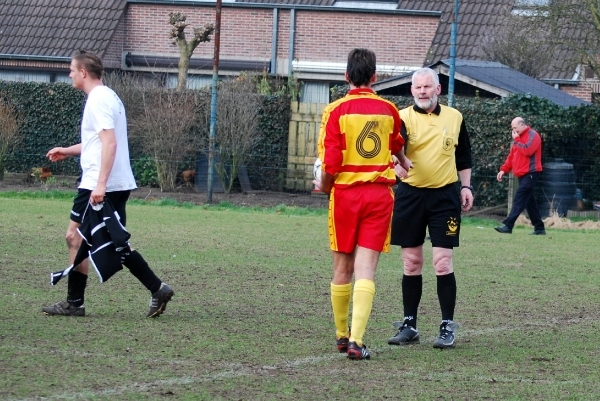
104	155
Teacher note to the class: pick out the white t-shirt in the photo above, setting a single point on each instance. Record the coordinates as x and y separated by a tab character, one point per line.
104	110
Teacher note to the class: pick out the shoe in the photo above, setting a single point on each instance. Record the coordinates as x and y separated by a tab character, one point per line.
64	308
446	338
158	302
538	232
406	335
357	353
503	230
342	344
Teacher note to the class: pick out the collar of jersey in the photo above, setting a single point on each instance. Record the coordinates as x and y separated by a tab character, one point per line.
435	111
361	91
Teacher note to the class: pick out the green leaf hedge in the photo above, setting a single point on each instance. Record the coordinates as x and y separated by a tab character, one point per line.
571	134
52	115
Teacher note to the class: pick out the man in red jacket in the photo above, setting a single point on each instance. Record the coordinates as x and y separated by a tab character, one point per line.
525	161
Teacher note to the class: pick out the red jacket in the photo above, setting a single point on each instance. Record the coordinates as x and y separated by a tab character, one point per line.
525	154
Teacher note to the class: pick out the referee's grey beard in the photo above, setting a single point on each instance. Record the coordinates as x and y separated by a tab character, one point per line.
426	104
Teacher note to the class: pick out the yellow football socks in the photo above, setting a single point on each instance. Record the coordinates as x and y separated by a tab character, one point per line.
364	292
340	303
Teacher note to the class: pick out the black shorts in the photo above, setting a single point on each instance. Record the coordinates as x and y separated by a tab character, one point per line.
419	209
117	198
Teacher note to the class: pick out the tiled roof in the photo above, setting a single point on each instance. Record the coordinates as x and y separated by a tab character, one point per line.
322	3
476	18
57	28
513	81
493	77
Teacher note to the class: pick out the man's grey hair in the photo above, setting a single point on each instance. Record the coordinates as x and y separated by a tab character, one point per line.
426	71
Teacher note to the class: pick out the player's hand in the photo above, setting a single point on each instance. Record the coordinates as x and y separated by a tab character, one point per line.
325	184
466	198
401	167
97	195
400	171
317	184
499	176
56	154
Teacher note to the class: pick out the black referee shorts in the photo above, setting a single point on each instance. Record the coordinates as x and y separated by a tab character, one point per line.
117	198
417	210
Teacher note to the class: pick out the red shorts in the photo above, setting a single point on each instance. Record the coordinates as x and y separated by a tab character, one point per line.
360	215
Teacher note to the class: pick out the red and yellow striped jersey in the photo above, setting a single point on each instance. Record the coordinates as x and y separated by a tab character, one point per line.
359	134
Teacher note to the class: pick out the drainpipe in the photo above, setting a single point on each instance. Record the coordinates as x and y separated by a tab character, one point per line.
453	34
292	34
274	42
213	106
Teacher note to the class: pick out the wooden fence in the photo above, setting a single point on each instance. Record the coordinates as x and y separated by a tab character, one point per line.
302	146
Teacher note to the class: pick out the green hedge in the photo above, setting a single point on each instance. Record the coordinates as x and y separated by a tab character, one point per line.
52	114
268	164
571	134
51	117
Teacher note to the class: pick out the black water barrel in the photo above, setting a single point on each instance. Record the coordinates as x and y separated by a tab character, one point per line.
557	188
201	180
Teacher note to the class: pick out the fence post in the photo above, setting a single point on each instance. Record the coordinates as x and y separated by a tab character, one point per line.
513	184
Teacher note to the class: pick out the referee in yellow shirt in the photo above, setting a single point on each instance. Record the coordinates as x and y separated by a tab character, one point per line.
437	144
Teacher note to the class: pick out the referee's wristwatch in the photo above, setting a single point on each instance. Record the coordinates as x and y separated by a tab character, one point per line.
470	188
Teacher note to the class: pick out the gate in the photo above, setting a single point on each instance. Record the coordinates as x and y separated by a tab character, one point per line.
302	144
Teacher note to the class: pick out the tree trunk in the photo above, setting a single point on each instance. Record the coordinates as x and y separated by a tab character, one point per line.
184	66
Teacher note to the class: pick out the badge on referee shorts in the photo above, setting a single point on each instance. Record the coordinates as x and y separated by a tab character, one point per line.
452	226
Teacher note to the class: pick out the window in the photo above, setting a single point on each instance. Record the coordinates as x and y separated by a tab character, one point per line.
314	92
531	3
24	76
64	78
528	8
370	5
193	81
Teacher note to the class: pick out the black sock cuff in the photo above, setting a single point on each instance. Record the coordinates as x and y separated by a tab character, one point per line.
77	281
446	280
78	276
412	286
412	280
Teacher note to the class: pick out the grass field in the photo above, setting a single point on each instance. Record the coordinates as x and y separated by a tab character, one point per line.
251	317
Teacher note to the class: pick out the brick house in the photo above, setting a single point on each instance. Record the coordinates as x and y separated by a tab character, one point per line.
308	39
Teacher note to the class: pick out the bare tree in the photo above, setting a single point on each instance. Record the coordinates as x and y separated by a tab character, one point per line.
520	45
574	28
165	130
237	133
129	86
556	35
10	135
186	48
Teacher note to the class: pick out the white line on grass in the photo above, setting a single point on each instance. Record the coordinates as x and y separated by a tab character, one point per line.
238	370
234	370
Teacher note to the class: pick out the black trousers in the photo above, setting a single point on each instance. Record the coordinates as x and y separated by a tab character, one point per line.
525	200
